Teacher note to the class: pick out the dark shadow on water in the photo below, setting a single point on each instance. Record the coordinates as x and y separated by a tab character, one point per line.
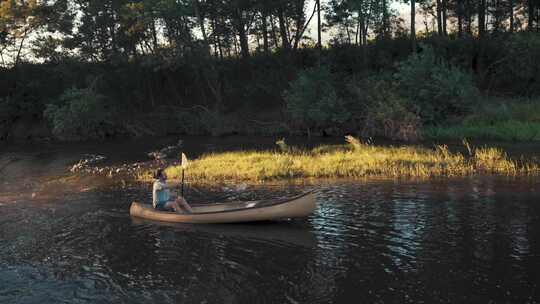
294	232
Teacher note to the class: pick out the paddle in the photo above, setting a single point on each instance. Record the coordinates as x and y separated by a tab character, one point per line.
184	165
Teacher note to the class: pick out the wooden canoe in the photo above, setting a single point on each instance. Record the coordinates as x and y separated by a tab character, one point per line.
233	212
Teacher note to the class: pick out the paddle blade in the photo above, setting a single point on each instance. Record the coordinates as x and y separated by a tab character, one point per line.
184	162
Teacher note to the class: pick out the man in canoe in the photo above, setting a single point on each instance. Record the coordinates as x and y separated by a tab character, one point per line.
161	199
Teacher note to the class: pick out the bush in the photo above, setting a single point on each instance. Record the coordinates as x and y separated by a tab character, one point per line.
312	99
5	117
508	120
520	69
79	114
5	109
494	110
437	90
387	113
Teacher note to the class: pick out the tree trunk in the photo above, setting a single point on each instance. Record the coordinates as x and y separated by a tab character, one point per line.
200	19
531	13
386	21
459	13
219	49
538	19
365	28
283	30
18	57
236	48
154	34
357	35
439	18
319	28
273	32
265	32
511	4
413	26
244	44
299	20
240	26
444	16
481	18
468	11
361	31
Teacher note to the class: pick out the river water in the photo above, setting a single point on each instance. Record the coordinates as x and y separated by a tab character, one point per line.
466	240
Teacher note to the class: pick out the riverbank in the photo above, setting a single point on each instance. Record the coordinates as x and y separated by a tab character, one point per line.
513	120
352	160
500	120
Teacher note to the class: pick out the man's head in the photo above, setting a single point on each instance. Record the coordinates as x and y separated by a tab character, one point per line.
160	174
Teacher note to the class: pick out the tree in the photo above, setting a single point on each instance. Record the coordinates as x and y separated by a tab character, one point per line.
319	28
359	17
481	18
18	19
413	25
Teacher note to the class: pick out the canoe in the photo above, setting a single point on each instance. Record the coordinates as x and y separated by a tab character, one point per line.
233	212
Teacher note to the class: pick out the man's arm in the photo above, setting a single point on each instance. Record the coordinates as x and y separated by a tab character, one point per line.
157	186
173	184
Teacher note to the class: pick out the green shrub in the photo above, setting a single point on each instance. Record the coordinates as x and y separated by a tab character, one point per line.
502	131
526	110
79	114
507	120
493	111
5	110
5	117
380	110
313	101
520	68
437	90
388	114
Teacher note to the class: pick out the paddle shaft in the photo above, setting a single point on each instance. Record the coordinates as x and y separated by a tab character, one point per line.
182	189
183	164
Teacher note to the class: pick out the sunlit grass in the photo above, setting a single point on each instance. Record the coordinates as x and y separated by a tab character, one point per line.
354	160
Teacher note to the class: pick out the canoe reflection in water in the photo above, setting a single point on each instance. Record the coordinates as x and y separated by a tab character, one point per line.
292	232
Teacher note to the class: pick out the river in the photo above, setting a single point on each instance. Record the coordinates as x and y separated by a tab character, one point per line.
370	241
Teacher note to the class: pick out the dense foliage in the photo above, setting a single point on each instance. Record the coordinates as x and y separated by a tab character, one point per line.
313	101
436	90
252	66
79	114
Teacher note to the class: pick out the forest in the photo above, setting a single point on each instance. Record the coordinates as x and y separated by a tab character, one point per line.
76	70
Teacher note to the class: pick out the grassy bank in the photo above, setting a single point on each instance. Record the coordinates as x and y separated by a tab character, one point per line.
503	120
352	160
503	131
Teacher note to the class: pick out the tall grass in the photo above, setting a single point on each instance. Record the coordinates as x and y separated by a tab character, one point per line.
353	160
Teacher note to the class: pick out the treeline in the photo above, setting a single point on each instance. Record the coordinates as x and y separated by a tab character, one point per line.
93	69
122	30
